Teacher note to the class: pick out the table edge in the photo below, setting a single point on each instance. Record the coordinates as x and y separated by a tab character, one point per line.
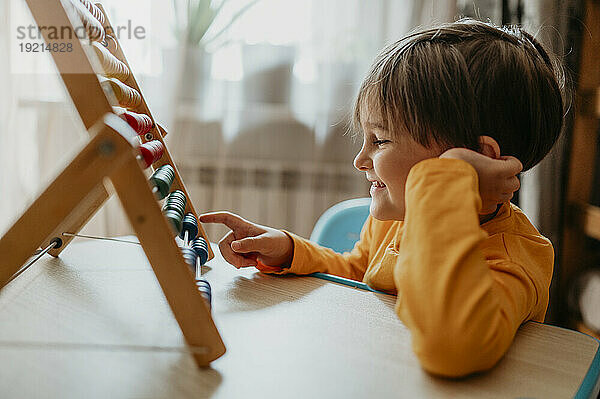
590	386
346	281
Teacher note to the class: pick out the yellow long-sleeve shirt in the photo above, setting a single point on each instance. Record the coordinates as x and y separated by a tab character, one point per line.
463	288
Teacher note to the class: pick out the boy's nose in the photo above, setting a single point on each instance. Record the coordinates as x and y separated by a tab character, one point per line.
362	162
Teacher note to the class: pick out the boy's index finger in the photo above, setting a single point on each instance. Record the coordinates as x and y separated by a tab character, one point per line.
227	218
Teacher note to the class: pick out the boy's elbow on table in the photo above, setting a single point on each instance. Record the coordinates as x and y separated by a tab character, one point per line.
455	355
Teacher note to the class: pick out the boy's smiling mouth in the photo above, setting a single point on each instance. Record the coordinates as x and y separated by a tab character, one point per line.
376	185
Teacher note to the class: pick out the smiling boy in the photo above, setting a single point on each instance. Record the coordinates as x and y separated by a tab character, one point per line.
449	116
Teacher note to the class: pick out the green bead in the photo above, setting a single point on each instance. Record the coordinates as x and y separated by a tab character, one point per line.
174	219
163	178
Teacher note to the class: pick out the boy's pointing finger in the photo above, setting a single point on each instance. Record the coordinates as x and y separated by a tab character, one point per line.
229	219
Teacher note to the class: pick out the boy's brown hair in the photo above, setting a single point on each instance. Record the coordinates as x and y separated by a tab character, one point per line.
453	83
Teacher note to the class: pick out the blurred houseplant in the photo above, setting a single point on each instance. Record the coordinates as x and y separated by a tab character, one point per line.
194	29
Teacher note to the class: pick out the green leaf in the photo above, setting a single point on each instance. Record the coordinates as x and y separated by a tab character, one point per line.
238	14
200	16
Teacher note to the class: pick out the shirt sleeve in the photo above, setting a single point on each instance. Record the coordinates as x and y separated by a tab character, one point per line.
462	308
311	258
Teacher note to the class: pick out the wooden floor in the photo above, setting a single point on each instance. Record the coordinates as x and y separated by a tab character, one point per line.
95	324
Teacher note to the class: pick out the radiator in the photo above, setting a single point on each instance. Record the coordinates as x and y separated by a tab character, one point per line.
272	172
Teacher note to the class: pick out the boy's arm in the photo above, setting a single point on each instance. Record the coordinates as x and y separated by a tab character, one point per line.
310	257
463	310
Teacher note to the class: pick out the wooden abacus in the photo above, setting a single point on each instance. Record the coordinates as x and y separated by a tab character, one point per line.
98	78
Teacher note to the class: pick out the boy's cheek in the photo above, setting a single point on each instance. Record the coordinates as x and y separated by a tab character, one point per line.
397	191
397	198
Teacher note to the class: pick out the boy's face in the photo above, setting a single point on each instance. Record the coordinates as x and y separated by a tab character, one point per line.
386	159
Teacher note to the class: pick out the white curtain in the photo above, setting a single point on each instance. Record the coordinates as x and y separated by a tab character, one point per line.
292	67
31	107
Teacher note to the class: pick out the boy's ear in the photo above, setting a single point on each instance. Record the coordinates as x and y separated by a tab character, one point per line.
489	147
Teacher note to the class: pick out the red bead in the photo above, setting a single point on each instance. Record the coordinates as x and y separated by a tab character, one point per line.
152	151
141	123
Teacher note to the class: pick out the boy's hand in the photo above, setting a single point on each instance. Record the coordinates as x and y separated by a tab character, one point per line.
497	177
248	243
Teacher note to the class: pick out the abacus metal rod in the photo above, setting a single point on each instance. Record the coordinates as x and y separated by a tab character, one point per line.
54	243
100	238
186	243
198	268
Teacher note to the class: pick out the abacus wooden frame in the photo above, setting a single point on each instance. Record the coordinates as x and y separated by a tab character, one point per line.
109	155
79	71
79	191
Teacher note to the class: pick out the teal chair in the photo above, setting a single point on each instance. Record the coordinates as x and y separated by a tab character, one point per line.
339	228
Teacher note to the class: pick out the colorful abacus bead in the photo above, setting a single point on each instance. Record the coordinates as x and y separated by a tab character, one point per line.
127	96
112	66
203	286
205	290
174	208
174	219
190	257
177	201
152	151
162	179
92	25
189	226
94	10
141	123
111	43
201	247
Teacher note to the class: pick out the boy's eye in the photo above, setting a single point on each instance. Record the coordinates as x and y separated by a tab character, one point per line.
379	142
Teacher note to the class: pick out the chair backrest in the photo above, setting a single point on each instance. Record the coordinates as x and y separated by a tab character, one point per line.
339	227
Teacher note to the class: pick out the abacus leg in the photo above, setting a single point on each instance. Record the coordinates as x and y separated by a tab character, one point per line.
172	272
